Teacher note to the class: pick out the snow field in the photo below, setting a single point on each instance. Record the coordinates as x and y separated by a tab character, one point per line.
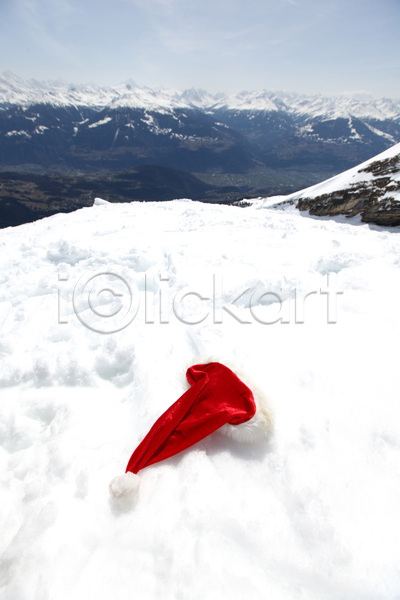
312	513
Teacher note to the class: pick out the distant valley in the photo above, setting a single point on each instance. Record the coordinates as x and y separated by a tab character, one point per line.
90	141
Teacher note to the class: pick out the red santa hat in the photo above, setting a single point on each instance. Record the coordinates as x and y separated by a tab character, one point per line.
216	399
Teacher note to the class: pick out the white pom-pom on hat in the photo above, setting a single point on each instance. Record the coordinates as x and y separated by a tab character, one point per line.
124	486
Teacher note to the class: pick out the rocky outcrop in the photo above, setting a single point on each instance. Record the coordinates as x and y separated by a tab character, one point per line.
376	198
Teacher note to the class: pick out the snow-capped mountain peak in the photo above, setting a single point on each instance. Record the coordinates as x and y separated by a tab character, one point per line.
16	91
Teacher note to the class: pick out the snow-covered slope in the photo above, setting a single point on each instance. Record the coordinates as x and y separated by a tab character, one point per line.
371	189
362	174
308	308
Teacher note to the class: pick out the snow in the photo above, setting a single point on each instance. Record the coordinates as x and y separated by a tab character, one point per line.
40	129
346	106
391	195
14	90
354	134
308	308
21	133
387	136
99	123
353	176
249	101
153	126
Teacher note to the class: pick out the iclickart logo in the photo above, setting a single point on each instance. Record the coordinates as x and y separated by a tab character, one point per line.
107	302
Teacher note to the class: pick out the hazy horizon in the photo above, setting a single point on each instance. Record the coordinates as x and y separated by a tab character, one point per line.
64	82
222	46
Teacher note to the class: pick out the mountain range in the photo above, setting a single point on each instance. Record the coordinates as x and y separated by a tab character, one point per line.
90	141
266	142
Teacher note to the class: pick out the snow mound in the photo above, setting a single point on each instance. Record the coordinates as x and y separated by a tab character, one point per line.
100	202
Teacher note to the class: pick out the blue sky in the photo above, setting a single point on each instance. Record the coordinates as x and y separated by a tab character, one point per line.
309	46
